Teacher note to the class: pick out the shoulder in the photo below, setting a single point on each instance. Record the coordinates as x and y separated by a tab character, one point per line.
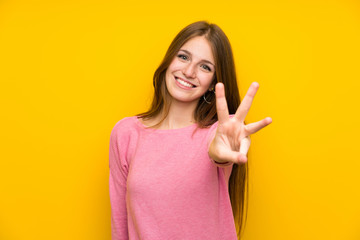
121	147
126	122
124	127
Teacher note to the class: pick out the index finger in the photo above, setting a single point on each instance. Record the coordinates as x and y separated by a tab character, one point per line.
221	105
245	104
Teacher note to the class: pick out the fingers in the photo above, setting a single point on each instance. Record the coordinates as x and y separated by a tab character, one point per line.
245	142
246	102
234	156
230	156
256	126
244	148
221	105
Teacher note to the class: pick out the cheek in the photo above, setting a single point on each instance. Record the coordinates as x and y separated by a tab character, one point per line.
171	68
174	65
206	78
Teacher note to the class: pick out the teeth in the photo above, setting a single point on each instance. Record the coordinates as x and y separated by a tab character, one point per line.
183	83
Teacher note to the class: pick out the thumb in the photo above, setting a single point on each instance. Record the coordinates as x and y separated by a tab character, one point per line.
226	156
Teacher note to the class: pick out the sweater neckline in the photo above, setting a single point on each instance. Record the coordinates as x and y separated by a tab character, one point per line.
144	127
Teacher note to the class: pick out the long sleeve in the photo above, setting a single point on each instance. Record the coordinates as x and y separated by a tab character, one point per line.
163	185
117	185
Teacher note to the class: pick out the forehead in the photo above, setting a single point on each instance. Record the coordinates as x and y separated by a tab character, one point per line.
200	48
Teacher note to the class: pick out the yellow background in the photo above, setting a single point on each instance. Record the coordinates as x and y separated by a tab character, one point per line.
69	70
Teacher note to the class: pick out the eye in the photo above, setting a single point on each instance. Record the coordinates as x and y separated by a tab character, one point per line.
207	68
182	56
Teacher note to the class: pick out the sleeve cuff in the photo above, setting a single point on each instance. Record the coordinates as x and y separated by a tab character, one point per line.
221	164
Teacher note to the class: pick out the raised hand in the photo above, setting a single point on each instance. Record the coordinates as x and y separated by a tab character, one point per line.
232	138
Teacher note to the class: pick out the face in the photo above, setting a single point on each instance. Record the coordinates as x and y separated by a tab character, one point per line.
191	72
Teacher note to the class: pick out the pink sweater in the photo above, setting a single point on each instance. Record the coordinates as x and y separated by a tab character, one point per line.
164	185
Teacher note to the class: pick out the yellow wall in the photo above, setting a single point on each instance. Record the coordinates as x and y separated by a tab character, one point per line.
69	70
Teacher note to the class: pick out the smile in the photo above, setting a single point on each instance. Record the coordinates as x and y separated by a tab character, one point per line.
184	83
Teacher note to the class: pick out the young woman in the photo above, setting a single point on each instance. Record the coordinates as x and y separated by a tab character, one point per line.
179	170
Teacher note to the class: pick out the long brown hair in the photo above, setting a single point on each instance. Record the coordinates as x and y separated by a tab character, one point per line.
205	114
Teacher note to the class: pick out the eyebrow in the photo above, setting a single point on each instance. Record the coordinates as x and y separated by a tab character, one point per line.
201	60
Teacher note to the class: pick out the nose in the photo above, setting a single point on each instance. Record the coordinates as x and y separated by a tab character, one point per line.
189	70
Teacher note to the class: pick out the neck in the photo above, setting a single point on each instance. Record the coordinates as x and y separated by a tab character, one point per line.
180	115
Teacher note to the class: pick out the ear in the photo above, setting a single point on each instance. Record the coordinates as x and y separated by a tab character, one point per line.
212	85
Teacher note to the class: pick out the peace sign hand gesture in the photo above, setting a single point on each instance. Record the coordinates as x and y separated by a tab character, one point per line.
232	138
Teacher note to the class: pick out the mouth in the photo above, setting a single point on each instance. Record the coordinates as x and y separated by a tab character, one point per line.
184	83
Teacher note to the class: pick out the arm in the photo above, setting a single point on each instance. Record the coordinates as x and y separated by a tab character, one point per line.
117	189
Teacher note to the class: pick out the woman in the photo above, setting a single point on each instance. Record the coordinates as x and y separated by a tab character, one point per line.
170	167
